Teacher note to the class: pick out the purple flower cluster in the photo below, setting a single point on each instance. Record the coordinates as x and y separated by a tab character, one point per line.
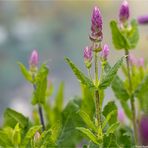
105	52
124	12
96	24
88	56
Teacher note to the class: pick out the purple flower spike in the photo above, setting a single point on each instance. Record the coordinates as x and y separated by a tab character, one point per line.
140	62
33	61
105	52
143	130
87	56
124	12
142	20
96	24
121	116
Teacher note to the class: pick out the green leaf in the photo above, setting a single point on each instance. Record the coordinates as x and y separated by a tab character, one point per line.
59	98
25	72
112	128
4	139
69	136
11	118
127	109
119	89
109	116
127	38
142	87
30	133
119	41
133	34
39	94
87	120
108	78
55	132
109	108
88	133
124	138
109	141
88	103
16	138
80	76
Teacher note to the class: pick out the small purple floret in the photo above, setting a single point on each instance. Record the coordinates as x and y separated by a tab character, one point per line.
88	56
124	12
105	52
34	58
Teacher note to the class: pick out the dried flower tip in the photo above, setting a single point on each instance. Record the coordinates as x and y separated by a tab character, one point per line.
124	12
96	24
88	56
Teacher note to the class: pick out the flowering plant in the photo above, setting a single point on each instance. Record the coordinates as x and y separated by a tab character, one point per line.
87	121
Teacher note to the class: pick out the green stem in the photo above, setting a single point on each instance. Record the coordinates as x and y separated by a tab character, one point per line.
132	100
40	111
97	96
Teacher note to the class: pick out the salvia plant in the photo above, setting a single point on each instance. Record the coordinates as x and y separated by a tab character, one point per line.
87	121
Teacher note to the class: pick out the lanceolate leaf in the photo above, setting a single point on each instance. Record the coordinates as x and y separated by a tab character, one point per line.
108	78
11	118
25	72
109	116
59	98
80	76
87	120
39	94
88	133
109	108
119	89
112	128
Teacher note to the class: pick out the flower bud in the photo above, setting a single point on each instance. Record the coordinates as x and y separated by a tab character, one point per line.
105	52
96	24
121	116
140	62
88	56
33	61
37	137
143	20
143	130
124	12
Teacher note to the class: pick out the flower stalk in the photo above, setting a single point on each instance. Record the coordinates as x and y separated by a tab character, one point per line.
132	100
33	62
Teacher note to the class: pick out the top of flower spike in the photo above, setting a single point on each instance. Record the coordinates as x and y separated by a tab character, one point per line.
124	12
143	20
96	23
34	58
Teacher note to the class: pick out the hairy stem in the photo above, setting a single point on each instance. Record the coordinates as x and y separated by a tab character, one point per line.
40	111
132	100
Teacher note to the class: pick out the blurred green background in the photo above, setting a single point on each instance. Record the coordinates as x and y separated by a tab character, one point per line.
57	29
